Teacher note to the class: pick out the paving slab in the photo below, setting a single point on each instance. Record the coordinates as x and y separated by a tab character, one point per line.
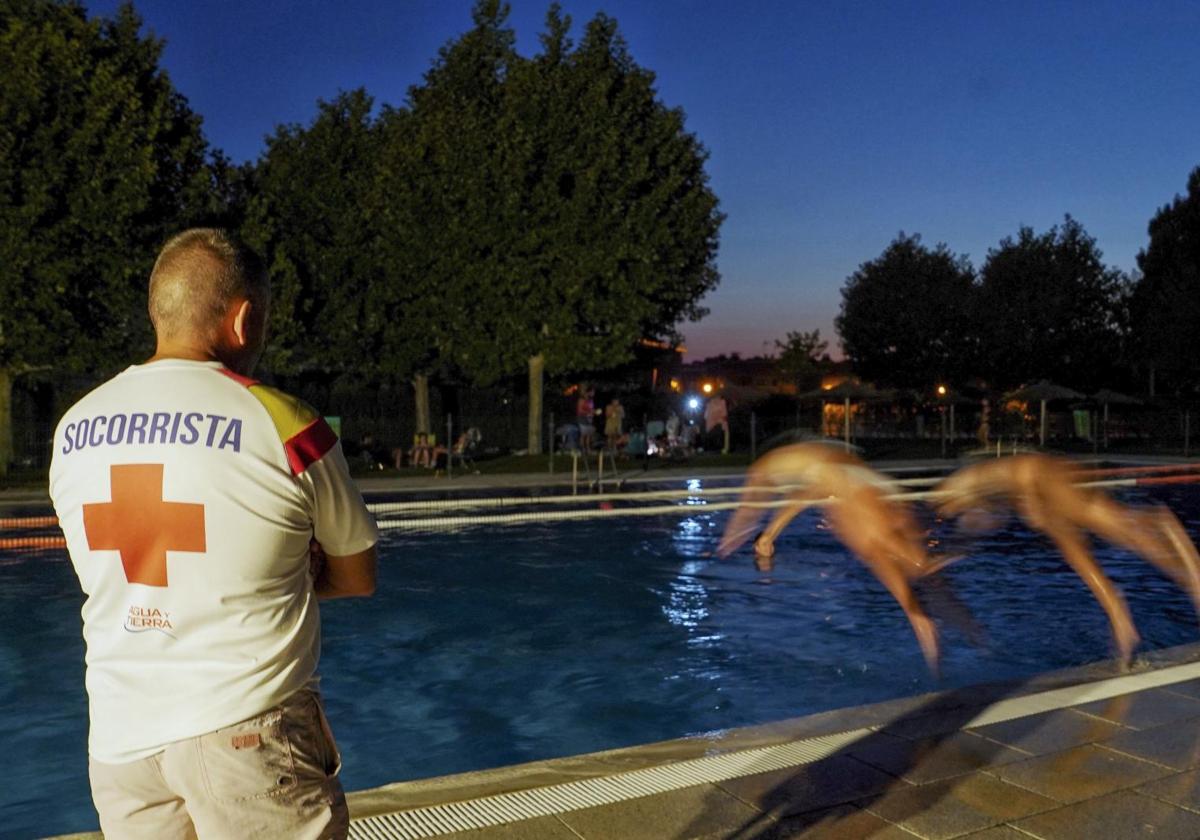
1118	816
845	822
836	780
695	812
1182	789
953	808
1190	688
1175	745
1080	773
1145	709
1000	832
1050	731
930	759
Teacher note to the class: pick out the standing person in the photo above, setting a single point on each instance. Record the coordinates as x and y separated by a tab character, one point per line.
194	500
716	413
585	410
672	428
614	416
983	433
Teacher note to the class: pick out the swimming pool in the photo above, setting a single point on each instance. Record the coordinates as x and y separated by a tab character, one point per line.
493	646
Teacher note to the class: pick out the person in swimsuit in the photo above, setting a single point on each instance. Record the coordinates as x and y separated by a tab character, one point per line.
1046	493
880	531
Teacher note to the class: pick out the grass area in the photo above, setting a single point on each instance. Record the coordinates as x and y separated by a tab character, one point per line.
533	464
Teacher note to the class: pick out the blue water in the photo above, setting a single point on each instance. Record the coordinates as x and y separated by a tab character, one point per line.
501	645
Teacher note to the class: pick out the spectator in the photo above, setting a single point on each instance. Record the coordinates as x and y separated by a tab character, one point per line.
716	415
614	416
585	410
421	454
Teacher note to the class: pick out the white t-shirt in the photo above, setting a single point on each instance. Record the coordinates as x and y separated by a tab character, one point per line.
188	496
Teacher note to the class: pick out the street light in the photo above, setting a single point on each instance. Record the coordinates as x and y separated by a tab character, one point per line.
941	392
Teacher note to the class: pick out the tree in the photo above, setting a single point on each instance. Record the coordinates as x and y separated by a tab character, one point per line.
1049	308
907	317
614	225
312	217
799	355
560	211
443	235
100	159
1165	301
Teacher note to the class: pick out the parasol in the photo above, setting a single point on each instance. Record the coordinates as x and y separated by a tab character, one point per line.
1043	391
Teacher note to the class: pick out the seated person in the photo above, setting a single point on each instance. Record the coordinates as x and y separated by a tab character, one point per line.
568	435
467	441
421	454
437	454
370	459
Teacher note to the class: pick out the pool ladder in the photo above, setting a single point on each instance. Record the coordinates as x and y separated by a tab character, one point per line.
598	482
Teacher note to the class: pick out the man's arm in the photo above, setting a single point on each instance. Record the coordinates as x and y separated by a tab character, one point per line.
350	576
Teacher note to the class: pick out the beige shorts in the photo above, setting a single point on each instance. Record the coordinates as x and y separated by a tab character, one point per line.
272	776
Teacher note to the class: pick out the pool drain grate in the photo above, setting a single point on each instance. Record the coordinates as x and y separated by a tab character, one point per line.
435	820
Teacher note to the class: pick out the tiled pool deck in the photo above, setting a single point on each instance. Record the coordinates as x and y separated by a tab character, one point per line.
1128	766
932	766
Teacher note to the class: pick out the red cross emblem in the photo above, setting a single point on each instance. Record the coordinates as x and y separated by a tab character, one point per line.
140	525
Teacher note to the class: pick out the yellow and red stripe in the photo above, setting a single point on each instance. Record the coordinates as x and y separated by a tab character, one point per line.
305	435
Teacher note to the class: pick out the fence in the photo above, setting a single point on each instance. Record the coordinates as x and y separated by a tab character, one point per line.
375	425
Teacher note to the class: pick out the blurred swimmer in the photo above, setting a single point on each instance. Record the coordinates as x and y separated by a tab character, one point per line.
1045	494
880	531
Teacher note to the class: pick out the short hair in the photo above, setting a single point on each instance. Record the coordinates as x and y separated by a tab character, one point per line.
197	275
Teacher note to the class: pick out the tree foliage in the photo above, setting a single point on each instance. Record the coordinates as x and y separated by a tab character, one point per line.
444	235
551	211
1165	302
907	316
615	226
311	215
799	357
100	159
1050	308
555	206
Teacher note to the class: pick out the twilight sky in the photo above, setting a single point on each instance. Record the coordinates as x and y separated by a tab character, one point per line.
832	126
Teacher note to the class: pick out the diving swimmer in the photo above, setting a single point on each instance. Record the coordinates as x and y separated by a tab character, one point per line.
1045	493
880	531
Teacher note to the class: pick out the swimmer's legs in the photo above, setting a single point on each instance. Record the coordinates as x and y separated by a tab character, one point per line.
1075	552
1155	535
893	578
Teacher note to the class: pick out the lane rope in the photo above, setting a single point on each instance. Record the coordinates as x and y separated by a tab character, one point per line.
694	501
434	523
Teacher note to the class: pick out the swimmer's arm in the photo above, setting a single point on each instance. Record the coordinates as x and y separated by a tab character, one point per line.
348	576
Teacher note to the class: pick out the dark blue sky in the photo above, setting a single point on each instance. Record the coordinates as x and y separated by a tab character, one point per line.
831	126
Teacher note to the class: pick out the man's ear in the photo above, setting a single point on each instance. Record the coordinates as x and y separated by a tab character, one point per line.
242	319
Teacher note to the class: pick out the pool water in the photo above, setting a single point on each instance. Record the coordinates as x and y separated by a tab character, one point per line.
493	646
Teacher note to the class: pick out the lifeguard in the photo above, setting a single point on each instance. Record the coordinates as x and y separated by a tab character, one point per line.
193	499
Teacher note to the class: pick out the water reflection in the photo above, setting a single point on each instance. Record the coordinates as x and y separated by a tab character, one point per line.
687	598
